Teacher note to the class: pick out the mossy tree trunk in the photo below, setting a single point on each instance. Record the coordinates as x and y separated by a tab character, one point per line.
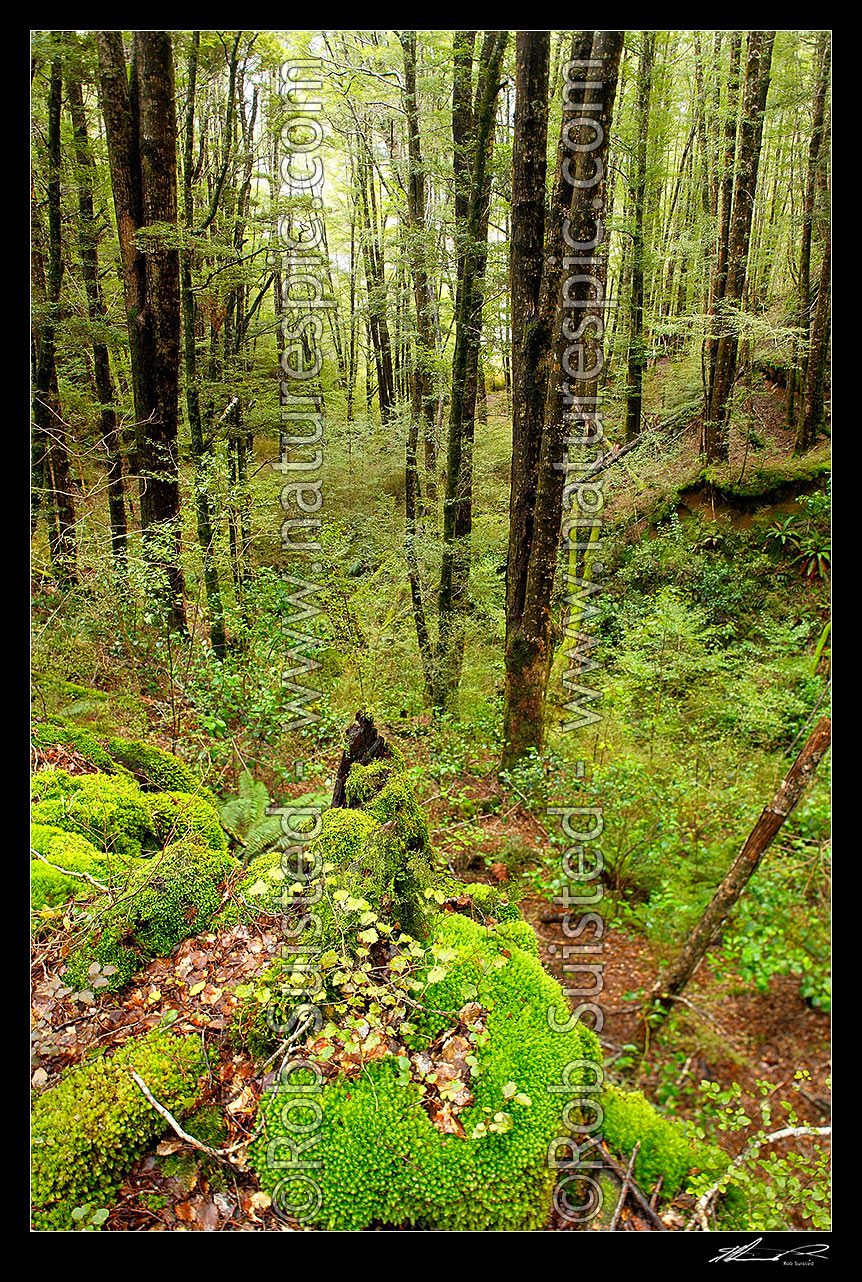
541	426
140	128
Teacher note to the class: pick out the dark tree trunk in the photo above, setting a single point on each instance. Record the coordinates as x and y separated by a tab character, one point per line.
797	376
473	252
50	434
204	506
575	232
141	133
744	194
637	355
813	412
88	235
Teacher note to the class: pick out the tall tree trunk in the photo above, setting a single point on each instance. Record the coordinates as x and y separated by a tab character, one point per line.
201	454
744	194
575	232
637	355
458	502
50	429
141	133
797	374
425	395
813	412
88	235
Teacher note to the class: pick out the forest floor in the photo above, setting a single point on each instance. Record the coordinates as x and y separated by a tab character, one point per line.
725	1032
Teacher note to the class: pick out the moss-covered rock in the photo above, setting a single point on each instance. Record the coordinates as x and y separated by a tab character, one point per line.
170	898
89	1129
158	768
384	1160
110	811
666	1147
66	853
390	1149
45	734
183	814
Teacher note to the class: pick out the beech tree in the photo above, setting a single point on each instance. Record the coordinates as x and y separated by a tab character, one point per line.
140	125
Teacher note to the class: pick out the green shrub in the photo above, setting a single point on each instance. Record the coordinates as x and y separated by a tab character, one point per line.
89	1129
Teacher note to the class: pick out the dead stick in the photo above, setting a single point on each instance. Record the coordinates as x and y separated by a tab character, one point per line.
218	1153
635	1191
624	1190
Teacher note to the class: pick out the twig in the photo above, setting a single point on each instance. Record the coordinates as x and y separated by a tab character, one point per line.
635	1191
624	1190
68	872
218	1153
787	1133
295	1035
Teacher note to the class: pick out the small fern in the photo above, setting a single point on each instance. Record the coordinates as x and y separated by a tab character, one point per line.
246	815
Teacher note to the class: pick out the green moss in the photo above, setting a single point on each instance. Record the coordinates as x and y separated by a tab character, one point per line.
666	1147
89	1129
382	1158
378	851
109	810
182	814
170	899
161	770
57	731
49	886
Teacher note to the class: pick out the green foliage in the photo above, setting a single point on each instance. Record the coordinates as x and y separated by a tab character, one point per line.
170	898
88	1130
246	815
763	1190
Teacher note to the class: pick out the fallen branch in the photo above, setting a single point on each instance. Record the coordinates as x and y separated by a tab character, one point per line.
220	1154
787	1133
624	1190
670	984
655	1220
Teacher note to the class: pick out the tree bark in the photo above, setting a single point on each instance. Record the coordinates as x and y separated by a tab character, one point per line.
458	502
637	356
204	506
141	133
88	236
798	374
50	432
755	93
541	469
706	932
